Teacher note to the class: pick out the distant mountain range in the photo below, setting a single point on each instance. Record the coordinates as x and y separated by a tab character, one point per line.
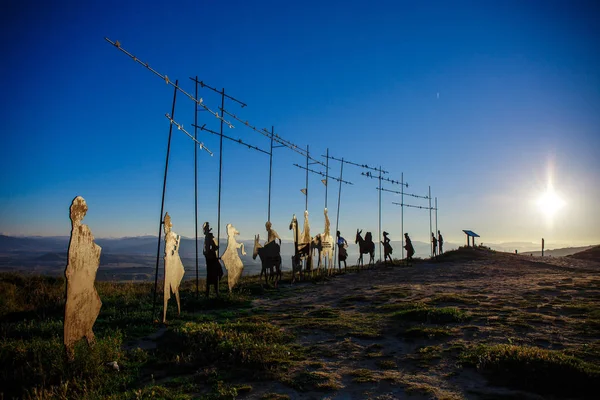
146	245
134	258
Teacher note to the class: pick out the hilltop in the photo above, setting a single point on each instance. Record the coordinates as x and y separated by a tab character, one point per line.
592	254
473	324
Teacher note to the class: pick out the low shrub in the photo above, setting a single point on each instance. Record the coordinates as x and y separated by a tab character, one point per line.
532	368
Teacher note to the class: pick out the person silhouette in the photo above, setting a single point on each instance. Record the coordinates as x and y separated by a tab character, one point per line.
387	248
410	250
342	252
440	242
434	244
214	270
271	233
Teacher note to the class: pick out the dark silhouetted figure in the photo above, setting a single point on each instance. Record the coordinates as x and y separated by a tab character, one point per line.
214	270
434	244
441	242
410	250
342	252
365	246
387	248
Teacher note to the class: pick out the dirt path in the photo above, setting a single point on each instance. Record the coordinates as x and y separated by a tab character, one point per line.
358	354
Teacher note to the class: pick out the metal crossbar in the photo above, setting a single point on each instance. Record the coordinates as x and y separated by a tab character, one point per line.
167	80
238	141
180	127
410	205
276	138
323	174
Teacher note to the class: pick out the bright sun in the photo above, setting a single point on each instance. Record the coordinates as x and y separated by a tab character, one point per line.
549	203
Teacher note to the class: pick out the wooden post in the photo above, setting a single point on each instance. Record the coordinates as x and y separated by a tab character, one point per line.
542	247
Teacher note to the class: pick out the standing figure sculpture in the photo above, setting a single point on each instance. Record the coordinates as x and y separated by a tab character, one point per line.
173	267
433	245
271	233
342	252
301	250
323	242
83	303
387	248
441	242
270	257
214	270
231	259
410	250
365	246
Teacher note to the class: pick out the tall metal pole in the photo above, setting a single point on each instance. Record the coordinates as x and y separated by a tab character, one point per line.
436	224
380	187
327	175
337	219
162	203
270	172
220	175
196	184
431	244
306	187
402	214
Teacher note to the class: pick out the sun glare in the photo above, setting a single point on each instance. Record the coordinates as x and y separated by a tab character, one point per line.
549	203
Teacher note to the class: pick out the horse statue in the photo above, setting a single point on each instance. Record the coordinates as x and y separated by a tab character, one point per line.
270	257
365	246
301	249
323	243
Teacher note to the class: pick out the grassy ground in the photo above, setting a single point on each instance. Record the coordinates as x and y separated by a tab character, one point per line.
473	324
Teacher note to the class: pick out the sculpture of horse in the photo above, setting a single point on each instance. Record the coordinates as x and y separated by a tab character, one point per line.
270	257
301	251
365	246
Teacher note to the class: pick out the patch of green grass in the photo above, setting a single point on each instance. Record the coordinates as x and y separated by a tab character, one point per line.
452	298
275	396
340	322
430	352
363	375
400	306
324	312
149	392
387	364
40	366
423	313
29	329
30	296
532	368
257	345
354	298
316	380
426	332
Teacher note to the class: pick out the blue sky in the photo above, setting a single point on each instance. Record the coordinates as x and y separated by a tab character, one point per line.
486	102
